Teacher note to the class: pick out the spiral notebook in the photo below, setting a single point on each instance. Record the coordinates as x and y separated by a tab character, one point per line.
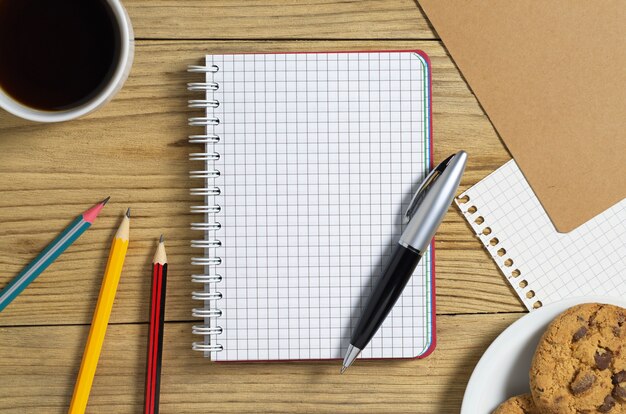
542	265
310	159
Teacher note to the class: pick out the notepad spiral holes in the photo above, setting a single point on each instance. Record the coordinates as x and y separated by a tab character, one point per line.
494	246
210	261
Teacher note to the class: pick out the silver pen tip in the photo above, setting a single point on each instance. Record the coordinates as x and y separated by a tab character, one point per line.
351	355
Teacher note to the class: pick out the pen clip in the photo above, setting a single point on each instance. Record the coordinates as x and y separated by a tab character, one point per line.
422	189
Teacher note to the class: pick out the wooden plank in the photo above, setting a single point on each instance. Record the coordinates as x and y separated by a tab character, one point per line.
135	150
278	19
43	362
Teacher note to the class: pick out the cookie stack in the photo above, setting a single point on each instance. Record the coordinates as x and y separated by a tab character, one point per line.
579	365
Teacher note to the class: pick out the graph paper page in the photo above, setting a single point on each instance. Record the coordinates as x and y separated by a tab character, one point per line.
542	265
319	155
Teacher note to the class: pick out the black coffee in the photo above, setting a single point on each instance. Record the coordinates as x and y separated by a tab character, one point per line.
56	54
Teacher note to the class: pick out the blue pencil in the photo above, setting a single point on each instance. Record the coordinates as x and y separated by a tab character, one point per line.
49	254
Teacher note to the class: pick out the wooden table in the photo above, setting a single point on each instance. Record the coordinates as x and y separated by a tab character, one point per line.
135	149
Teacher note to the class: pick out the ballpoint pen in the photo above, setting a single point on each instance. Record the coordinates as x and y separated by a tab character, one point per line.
423	216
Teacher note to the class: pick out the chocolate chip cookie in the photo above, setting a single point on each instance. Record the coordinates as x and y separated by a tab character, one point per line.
580	363
520	404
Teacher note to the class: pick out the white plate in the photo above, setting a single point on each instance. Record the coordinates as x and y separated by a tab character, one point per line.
502	372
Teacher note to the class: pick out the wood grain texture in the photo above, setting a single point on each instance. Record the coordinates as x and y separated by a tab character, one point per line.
278	19
42	375
135	149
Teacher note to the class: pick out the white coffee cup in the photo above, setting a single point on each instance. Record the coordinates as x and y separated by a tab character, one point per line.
114	84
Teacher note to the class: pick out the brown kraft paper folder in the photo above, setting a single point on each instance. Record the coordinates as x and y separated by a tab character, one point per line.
551	76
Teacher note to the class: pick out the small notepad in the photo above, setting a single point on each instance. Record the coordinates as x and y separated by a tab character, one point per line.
541	264
311	159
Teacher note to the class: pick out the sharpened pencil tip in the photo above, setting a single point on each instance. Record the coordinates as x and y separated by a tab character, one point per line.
128	212
343	369
105	201
161	240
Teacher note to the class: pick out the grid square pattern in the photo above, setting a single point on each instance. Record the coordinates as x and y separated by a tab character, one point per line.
546	266
320	153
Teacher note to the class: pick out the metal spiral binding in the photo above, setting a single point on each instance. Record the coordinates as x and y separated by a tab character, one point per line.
204	174
207	296
204	156
204	139
203	103
205	191
206	330
203	121
205	209
206	313
206	226
203	86
206	278
209	278
206	261
203	69
205	244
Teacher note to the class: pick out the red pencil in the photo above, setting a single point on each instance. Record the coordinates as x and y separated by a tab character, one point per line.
155	336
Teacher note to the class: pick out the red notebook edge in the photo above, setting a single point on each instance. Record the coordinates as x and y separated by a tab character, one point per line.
433	342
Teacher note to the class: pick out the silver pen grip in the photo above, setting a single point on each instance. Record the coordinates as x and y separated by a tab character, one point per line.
426	217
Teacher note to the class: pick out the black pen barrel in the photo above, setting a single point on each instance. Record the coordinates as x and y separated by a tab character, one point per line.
385	295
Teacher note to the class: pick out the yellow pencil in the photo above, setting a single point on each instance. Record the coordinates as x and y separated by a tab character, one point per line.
101	318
